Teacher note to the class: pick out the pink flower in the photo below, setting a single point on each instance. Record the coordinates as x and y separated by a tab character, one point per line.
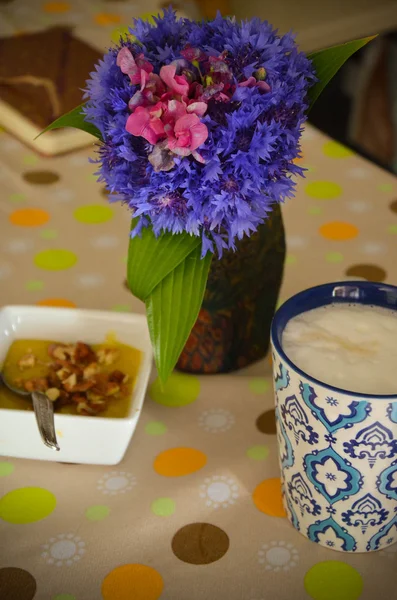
137	69
146	122
188	134
176	83
252	82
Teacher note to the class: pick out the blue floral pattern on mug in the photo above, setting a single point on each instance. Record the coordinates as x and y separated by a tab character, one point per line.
338	458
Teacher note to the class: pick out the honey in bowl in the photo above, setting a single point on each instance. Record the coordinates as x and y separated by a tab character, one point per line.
81	379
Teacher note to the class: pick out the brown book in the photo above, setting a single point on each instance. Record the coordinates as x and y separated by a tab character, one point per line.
41	77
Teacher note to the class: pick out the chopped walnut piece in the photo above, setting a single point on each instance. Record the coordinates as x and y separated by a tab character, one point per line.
39	384
70	382
83	386
117	376
83	353
91	370
63	374
53	394
107	356
59	352
112	388
84	409
27	361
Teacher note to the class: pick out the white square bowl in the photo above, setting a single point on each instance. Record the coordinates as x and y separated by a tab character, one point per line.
82	439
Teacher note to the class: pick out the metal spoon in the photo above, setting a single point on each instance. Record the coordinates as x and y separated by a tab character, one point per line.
44	412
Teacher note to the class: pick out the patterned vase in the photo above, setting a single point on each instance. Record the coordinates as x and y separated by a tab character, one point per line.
233	326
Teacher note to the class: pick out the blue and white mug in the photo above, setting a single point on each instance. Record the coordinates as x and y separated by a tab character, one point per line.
337	449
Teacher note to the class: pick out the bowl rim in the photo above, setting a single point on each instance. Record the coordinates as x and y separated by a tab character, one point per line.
290	309
142	376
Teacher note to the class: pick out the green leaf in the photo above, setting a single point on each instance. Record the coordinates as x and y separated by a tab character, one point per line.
328	62
172	309
150	259
74	118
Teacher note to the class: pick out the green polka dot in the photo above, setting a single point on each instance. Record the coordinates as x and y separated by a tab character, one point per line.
335	150
55	260
125	259
334	257
323	190
259	385
64	597
314	210
48	234
30	159
392	229
27	505
333	579
93	214
121	308
163	507
291	259
6	468
34	285
97	513
179	390
155	428
258	452
385	187
16	198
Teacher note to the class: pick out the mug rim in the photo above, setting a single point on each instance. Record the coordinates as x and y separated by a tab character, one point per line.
287	311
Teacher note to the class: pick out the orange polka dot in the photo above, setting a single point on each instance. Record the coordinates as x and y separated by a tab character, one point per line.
104	19
177	462
339	231
29	217
132	582
60	302
56	7
267	498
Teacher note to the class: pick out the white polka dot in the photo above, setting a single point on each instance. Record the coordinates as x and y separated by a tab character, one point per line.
5	270
278	556
296	241
64	195
358	173
219	491
105	241
216	420
359	206
64	549
116	482
374	248
18	246
90	280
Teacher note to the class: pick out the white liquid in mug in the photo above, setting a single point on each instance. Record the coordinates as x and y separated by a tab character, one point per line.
349	346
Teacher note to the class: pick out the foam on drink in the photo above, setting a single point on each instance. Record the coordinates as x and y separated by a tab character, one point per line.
350	346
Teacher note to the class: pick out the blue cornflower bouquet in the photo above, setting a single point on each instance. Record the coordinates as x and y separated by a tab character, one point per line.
199	126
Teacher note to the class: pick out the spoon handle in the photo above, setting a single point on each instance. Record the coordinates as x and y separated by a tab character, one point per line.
44	411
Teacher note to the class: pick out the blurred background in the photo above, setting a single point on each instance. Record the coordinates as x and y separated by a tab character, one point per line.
358	109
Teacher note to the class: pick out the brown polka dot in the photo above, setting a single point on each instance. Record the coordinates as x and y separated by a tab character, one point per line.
266	422
370	272
16	584
200	543
40	177
393	206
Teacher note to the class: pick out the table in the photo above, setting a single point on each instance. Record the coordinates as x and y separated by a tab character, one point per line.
194	510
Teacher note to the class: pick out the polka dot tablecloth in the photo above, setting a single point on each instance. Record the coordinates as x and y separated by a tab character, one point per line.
194	511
